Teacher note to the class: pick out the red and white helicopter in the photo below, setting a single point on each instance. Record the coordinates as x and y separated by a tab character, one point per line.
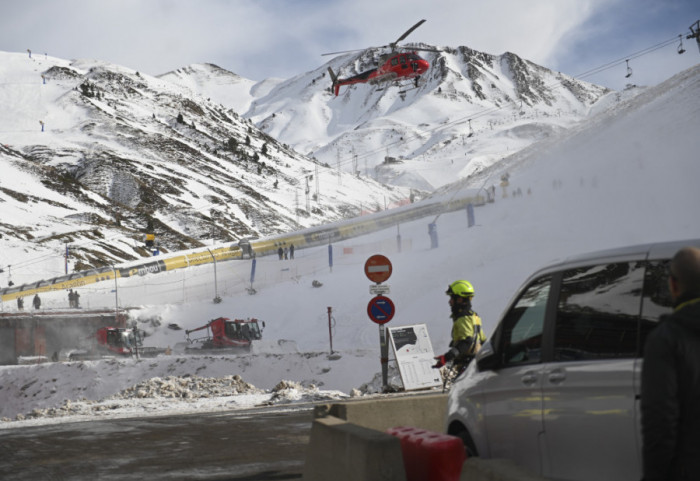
399	64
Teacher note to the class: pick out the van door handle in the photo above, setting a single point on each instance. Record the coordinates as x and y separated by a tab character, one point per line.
529	378
557	376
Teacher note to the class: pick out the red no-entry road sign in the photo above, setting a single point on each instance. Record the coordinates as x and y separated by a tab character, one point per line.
380	309
378	268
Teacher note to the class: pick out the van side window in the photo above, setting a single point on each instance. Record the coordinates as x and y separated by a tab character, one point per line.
656	300
598	312
521	329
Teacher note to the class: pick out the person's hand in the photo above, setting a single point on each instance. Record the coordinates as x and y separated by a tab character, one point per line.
440	361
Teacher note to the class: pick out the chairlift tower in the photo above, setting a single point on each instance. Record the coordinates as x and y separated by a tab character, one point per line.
695	33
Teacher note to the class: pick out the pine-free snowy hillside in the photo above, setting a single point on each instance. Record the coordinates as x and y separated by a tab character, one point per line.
627	177
471	109
93	153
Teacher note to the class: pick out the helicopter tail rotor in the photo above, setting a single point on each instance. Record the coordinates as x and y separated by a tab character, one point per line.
334	79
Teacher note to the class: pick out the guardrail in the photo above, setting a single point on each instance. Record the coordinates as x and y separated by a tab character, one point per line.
315	236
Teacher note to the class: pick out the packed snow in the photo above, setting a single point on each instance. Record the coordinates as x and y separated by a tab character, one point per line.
628	176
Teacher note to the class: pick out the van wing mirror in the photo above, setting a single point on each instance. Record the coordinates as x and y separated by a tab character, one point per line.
487	359
488	363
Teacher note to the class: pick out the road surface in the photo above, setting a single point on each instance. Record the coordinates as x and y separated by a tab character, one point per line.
267	444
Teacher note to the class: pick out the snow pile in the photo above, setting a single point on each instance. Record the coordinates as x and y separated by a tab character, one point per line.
187	387
181	383
181	394
286	392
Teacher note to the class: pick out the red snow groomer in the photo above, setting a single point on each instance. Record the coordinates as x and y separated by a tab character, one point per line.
115	341
224	333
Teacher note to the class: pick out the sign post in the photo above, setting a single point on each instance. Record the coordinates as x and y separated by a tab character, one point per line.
380	308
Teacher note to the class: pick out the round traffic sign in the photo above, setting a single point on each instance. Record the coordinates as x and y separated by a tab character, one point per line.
380	309
378	268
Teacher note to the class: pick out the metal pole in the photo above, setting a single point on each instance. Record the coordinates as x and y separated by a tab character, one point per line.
398	238
384	352
217	299
330	255
330	332
116	295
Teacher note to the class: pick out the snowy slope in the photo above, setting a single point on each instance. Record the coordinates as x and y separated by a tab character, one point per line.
471	110
217	84
626	177
119	150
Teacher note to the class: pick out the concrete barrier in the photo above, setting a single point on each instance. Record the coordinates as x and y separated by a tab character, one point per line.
425	411
349	441
342	451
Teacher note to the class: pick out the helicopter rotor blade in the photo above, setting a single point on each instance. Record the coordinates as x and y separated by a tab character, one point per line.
392	45
408	32
436	50
355	50
344	51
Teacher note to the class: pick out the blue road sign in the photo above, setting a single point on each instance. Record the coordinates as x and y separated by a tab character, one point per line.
380	309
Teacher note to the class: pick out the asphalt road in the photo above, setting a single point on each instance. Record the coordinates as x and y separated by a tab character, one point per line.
253	445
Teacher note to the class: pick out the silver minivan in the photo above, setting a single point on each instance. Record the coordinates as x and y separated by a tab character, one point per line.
556	387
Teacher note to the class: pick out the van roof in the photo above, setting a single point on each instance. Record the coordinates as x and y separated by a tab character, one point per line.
651	250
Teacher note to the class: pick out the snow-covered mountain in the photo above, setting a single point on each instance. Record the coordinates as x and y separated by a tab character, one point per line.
469	111
94	155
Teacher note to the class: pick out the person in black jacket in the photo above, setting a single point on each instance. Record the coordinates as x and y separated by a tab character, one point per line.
671	379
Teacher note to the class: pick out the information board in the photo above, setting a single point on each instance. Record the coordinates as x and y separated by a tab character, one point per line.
414	356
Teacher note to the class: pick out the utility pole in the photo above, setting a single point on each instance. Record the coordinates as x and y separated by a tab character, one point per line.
338	167
318	195
296	203
116	295
217	299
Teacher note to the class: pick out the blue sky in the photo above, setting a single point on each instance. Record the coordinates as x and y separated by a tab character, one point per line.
277	38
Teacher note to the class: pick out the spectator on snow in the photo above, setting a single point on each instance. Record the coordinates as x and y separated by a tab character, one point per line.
36	301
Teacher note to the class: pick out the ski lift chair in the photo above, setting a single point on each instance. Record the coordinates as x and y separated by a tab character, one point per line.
680	45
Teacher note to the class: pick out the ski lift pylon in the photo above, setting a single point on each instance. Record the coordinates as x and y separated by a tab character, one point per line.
695	32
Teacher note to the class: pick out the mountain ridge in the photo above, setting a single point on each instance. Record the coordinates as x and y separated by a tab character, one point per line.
118	154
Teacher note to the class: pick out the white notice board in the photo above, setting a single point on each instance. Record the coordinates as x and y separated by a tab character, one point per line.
414	355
